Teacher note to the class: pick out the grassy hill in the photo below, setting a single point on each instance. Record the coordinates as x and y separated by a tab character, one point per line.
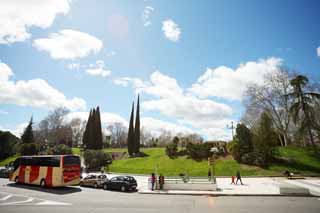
296	160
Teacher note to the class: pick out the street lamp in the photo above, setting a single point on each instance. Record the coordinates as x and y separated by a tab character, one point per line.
232	128
213	150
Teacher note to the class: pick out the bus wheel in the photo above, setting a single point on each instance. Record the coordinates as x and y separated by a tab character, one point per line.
16	180
43	183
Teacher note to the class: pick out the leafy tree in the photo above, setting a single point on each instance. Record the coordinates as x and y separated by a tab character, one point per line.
96	159
97	130
265	138
244	139
92	136
8	144
302	107
60	149
29	149
27	136
130	138
136	148
172	148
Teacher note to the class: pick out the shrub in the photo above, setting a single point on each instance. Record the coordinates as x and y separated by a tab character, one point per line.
29	149
60	149
172	150
96	159
198	151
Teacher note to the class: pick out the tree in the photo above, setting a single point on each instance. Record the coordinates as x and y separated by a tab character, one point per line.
302	107
92	136
118	133
265	138
130	139
137	130
271	98
27	136
244	139
8	144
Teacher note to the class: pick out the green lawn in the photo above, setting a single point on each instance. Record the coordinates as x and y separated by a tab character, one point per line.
300	161
304	162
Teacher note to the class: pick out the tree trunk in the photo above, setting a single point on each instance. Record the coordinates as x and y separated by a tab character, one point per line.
312	140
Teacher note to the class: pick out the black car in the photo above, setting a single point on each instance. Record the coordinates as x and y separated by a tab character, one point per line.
122	183
4	172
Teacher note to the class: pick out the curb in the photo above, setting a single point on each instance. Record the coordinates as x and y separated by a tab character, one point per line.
231	195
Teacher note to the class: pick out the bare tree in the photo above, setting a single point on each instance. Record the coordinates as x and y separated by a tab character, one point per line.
271	97
77	126
118	133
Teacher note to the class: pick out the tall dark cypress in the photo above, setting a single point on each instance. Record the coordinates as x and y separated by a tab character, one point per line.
85	137
137	130
130	139
27	136
97	130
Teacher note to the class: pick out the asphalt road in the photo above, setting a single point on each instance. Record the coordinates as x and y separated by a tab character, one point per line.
30	199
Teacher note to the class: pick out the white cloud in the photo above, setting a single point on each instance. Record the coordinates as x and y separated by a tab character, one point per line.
171	30
69	44
155	126
2	112
17	130
148	10
73	66
231	84
35	92
112	53
98	69
318	51
137	83
107	118
17	17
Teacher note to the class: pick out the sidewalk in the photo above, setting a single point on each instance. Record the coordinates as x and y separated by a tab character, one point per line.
262	186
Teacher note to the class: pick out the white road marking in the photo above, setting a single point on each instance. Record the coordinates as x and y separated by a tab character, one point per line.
49	202
17	202
6	197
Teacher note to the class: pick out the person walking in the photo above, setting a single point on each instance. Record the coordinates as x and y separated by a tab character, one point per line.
161	181
233	179
238	177
209	175
153	181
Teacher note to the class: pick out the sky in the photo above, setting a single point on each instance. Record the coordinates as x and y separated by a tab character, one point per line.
190	61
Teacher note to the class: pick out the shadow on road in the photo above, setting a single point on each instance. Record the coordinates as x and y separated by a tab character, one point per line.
57	190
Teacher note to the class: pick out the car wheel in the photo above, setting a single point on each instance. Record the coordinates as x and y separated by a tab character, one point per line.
81	184
123	188
105	187
16	180
43	183
95	185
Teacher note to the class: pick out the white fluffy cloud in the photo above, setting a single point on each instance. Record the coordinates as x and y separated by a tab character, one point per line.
98	69
35	92
18	16
73	66
17	130
171	30
155	126
230	84
318	51
148	10
69	44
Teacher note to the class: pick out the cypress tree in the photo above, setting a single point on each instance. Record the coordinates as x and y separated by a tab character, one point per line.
27	136
137	130
85	136
130	139
97	130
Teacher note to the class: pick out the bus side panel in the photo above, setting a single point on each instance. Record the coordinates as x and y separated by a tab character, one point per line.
22	174
34	175
14	174
49	176
57	176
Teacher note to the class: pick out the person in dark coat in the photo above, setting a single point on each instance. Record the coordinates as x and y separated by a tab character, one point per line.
161	181
238	177
153	181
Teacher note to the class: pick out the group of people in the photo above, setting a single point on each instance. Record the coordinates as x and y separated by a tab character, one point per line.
154	179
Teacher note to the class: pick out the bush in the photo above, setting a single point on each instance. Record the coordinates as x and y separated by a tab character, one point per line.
96	159
198	151
254	158
29	149
60	149
172	150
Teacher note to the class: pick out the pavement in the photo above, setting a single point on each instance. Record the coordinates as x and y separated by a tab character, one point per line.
262	186
30	199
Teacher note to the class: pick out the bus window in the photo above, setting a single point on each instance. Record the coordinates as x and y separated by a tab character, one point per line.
16	164
71	160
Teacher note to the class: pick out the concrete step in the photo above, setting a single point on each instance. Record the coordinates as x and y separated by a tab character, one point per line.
289	189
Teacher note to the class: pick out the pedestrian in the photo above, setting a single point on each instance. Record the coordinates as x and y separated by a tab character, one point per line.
153	181
239	177
233	179
209	175
161	181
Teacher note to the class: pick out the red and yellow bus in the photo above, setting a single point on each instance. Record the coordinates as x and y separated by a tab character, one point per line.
47	170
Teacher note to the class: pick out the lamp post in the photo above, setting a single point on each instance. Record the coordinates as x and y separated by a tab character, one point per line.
232	128
213	150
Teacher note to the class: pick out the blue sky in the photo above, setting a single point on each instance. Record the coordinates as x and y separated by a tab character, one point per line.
182	56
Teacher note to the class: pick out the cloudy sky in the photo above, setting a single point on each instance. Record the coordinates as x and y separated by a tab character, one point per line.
190	61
